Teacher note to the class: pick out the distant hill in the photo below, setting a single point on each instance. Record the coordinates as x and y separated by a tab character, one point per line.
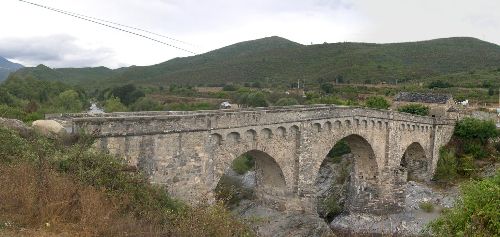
7	67
278	60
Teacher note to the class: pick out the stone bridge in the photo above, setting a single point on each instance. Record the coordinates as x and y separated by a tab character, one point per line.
188	152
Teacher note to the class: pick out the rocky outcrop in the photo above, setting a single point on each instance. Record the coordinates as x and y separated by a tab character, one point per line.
49	128
267	222
16	125
410	222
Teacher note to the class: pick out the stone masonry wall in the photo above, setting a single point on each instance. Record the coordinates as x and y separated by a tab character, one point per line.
189	151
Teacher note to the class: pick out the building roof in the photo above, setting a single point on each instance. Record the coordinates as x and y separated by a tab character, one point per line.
429	98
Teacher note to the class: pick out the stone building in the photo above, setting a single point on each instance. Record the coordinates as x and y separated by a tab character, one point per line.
441	105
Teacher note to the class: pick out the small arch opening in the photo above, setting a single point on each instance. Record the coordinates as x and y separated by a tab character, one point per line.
233	138
250	135
266	133
281	132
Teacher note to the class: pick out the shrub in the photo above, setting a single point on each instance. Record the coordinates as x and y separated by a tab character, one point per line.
439	84
475	213
230	191
475	149
476	129
339	149
332	207
426	206
113	104
466	165
377	102
243	164
417	109
446	169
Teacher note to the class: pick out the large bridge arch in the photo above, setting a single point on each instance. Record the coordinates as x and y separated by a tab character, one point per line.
363	186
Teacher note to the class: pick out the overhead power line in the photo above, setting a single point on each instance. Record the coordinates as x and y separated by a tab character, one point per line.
96	21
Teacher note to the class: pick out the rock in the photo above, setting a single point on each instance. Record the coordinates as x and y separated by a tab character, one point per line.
248	179
49	128
410	222
16	125
268	222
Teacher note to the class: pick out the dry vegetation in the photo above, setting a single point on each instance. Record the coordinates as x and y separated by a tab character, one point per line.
51	189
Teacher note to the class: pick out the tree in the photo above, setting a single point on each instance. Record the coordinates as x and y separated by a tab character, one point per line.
127	94
417	109
68	101
491	91
439	84
327	88
377	102
114	104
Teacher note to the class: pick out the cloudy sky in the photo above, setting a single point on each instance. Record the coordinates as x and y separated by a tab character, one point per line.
32	35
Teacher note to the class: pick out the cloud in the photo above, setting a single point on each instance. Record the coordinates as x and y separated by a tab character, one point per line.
54	51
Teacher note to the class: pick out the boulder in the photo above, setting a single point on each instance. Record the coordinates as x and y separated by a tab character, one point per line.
49	128
16	125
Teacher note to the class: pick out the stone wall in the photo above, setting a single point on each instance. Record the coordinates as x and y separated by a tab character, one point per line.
189	151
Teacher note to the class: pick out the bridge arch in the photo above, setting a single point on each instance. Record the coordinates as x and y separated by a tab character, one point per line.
268	181
358	174
415	162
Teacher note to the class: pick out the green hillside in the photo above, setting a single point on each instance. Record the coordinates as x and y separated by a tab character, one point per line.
279	61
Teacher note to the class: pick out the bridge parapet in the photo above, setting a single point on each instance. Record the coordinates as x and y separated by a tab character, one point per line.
143	123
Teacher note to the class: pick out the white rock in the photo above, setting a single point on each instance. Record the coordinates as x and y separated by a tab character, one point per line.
49	128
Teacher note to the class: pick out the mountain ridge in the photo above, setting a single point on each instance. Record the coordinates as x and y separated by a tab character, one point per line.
6	67
283	61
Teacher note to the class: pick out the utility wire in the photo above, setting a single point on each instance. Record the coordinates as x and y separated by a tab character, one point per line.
118	24
96	21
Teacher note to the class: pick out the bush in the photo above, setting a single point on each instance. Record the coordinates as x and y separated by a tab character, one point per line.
417	109
426	206
339	149
475	213
377	102
476	129
332	207
446	169
475	149
439	84
113	104
243	164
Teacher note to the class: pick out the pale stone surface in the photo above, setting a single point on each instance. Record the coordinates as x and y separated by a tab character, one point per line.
189	151
49	128
16	125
